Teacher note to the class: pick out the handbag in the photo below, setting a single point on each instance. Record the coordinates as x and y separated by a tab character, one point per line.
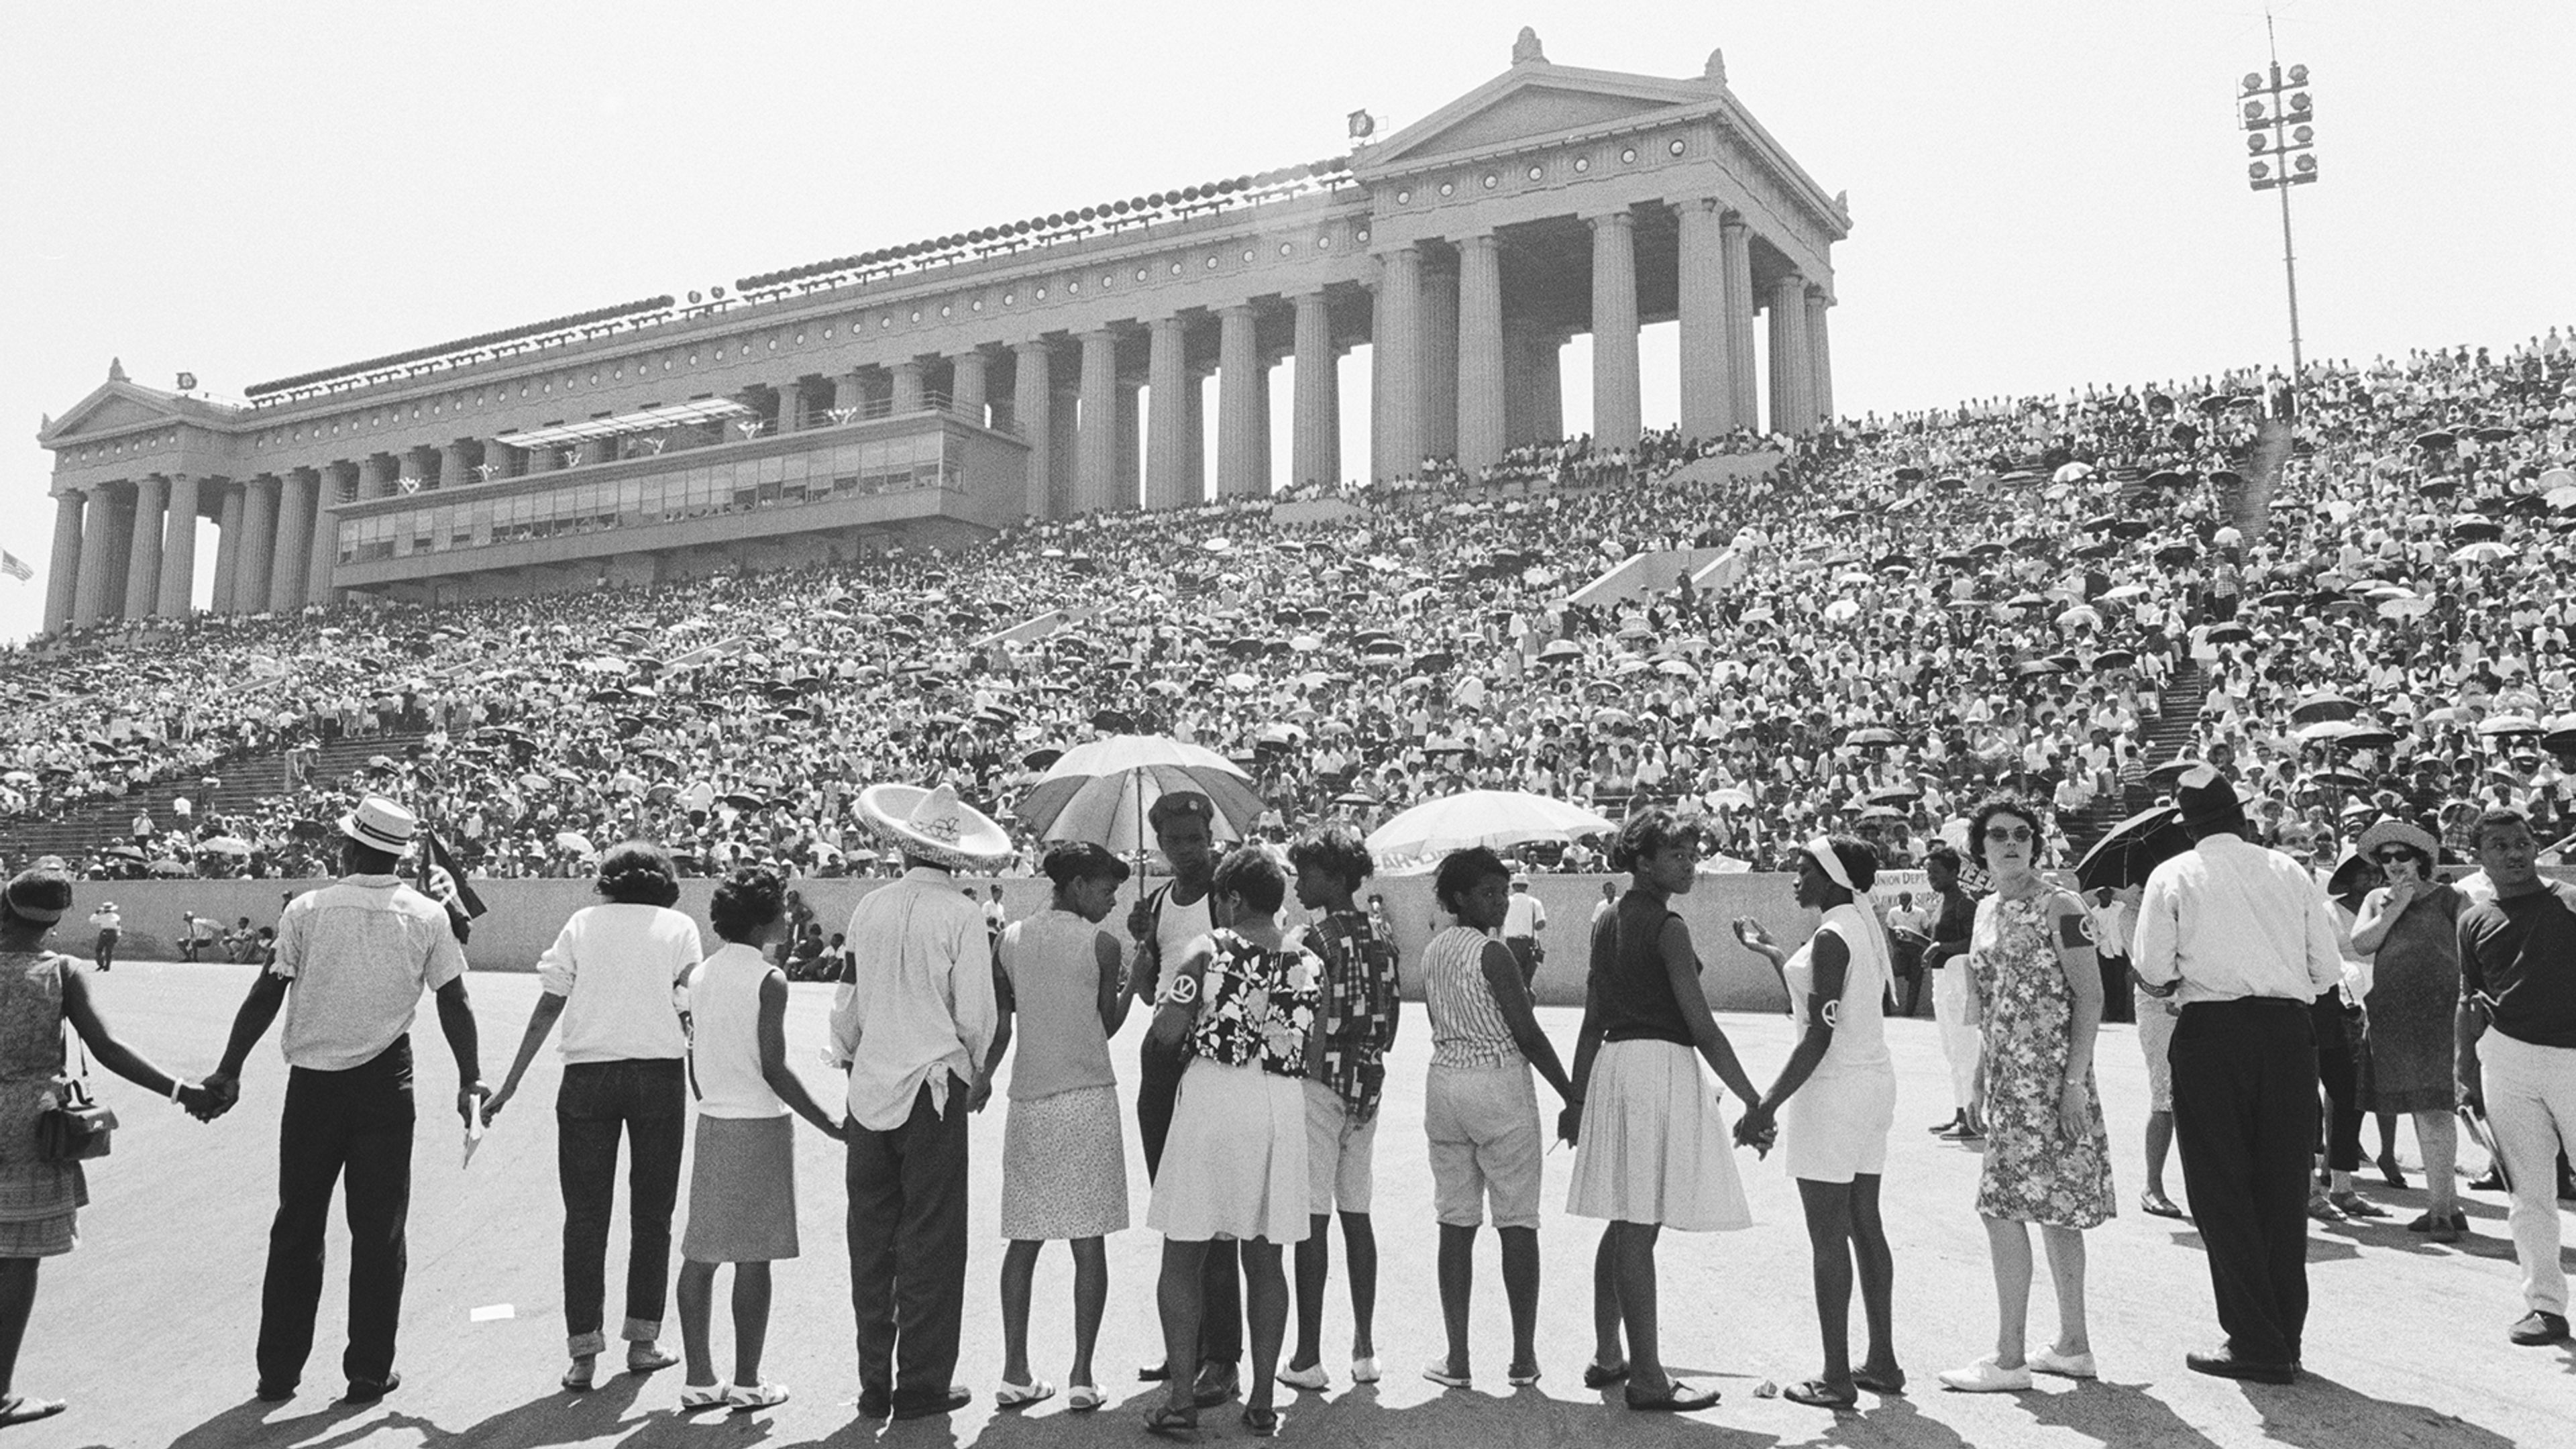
73	1127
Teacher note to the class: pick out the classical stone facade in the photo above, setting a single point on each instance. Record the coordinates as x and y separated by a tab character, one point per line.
938	391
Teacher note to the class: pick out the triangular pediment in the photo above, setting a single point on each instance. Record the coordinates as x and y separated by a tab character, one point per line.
113	407
1532	102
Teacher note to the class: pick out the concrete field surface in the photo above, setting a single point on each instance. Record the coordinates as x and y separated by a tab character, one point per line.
147	1330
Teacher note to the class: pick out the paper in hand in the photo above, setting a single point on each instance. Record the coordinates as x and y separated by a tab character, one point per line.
473	1134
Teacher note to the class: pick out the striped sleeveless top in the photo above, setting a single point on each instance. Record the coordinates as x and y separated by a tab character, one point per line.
1467	1028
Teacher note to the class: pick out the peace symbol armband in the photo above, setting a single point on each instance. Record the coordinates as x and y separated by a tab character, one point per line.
1181	990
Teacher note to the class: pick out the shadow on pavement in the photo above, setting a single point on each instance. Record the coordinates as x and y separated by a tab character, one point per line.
2318	1413
556	1418
2112	1413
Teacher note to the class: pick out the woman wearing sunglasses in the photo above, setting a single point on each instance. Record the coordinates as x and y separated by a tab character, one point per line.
2409	928
2035	988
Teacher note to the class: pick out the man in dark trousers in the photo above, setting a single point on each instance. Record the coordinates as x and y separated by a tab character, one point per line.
2241	936
1163	923
351	962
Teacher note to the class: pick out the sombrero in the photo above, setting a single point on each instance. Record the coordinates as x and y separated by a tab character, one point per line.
935	826
2399	832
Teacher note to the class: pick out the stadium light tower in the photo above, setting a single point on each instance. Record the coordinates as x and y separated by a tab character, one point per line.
2281	134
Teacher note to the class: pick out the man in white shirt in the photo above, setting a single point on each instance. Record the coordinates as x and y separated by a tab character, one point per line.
1523	919
912	1031
2241	936
351	962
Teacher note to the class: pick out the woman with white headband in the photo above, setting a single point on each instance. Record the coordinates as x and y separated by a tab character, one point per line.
2035	990
1836	1100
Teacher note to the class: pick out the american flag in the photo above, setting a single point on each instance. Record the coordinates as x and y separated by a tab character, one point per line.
15	567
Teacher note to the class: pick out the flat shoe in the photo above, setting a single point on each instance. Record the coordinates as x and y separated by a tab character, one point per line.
1864	1379
1678	1398
1214	1389
1083	1398
947	1403
20	1409
2354	1205
2068	1366
1020	1396
2423	1222
702	1396
578	1380
2388	1170
1264	1423
1816	1393
744	1398
1172	1423
651	1359
1985	1376
1438	1372
1312	1379
1522	1380
368	1393
2157	1205
1364	1370
1596	1376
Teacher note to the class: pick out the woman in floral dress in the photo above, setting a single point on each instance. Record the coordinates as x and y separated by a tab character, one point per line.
1234	1166
2036	992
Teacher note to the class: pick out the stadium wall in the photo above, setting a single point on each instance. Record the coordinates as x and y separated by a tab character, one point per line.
525	915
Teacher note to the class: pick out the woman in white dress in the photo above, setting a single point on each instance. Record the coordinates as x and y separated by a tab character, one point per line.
1836	1100
1234	1166
1064	1155
1651	1148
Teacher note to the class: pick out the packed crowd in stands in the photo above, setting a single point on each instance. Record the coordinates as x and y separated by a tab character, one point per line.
1898	617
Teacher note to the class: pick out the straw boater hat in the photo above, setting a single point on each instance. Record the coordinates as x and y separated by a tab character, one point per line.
381	824
935	826
2398	832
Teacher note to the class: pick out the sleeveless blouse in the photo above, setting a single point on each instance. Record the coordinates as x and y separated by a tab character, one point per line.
1257	1006
1858	1017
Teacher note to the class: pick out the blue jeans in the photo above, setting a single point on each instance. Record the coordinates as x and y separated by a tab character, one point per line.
647	1100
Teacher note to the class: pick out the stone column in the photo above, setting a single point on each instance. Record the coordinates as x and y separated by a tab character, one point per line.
1194	436
456	464
375	476
1064	445
1096	470
1395	368
1789	367
537	460
143	562
791	405
503	458
118	535
907	386
62	575
1480	353
228	547
1439	361
1167	372
411	470
323	544
1743	375
967	386
1820	367
1129	489
259	545
1032	402
1241	382
1314	447
849	395
1615	405
1708	394
294	540
179	549
89	593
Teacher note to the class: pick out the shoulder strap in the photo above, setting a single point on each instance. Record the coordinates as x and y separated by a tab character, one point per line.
72	1042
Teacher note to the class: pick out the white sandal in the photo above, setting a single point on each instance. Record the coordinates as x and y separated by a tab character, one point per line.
743	1398
1020	1396
697	1398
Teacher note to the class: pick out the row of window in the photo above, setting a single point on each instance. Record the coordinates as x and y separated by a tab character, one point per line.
888	465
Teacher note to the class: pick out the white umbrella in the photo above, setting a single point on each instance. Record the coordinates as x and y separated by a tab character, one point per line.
225	845
1496	819
1103	791
2484	553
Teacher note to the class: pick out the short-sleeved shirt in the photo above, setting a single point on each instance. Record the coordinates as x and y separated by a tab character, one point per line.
356	955
1257	1006
2518	954
1525	916
1358	1008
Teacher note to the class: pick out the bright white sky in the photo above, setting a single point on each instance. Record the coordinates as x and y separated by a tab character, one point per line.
2043	194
